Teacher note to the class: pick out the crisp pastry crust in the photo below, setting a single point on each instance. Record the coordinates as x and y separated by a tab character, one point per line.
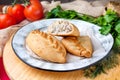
79	46
46	46
63	28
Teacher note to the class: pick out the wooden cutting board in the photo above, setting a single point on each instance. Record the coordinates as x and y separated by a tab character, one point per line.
17	70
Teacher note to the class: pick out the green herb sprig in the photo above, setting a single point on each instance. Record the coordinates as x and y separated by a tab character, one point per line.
107	63
58	12
110	23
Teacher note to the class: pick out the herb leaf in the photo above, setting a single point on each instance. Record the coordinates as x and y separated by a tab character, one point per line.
100	21
117	41
58	12
117	28
105	29
110	16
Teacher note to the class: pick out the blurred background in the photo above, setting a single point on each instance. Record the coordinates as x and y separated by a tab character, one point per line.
20	1
5	2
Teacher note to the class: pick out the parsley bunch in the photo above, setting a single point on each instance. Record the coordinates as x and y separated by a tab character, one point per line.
58	12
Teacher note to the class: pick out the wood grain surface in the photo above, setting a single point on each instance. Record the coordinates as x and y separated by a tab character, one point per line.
17	70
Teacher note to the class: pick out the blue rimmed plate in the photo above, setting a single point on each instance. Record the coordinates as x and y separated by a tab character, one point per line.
101	44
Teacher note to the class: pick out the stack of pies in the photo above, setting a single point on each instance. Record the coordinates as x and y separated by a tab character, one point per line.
49	48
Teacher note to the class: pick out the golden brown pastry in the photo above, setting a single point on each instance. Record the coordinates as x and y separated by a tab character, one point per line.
79	46
46	46
63	28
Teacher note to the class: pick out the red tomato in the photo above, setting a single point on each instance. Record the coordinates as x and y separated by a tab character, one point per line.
17	12
34	11
6	20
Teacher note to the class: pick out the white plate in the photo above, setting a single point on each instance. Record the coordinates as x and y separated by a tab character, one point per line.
101	45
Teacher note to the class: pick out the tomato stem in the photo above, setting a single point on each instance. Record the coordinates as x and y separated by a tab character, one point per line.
15	1
26	2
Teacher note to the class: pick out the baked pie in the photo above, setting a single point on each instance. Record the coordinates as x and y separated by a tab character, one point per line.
46	46
79	46
63	28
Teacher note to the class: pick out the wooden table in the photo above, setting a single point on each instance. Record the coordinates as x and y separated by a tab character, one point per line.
17	70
